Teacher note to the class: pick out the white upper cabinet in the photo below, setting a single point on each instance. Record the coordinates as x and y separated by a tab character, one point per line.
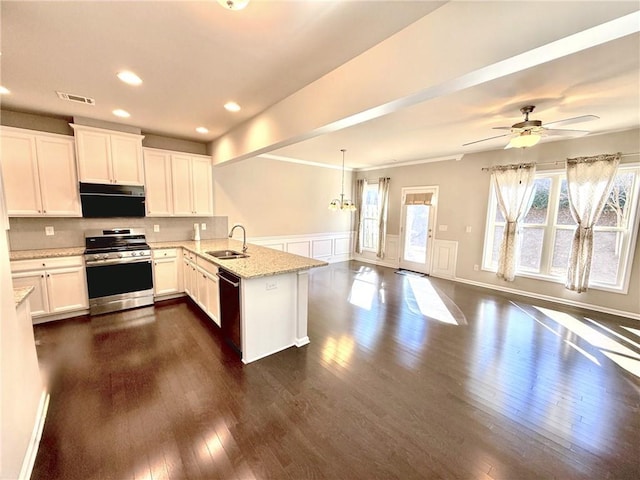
105	156
178	184
158	184
39	172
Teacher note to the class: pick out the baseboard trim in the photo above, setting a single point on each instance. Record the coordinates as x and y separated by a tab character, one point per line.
523	293
549	298
301	342
32	449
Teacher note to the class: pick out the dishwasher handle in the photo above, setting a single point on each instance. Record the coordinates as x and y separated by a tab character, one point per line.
222	277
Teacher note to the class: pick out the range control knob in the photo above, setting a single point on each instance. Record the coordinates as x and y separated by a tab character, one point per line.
120	255
96	257
105	256
133	254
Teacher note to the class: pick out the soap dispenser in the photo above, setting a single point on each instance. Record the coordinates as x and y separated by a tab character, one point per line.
196	232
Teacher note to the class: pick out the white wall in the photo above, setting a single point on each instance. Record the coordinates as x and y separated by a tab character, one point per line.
271	197
21	386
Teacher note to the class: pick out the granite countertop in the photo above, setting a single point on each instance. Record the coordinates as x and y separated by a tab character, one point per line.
20	294
261	262
45	253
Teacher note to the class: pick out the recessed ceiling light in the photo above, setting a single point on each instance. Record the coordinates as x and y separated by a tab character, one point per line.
121	113
4	90
232	106
129	77
202	130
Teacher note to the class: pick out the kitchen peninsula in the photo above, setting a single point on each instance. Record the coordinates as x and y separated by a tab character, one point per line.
273	292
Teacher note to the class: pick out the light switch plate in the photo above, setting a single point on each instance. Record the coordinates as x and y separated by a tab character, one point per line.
468	229
156	228
48	231
203	226
443	228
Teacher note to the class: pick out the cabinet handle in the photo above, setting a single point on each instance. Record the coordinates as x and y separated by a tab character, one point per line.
48	275
42	276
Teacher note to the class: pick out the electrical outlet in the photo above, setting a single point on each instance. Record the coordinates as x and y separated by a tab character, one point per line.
272	284
48	231
468	229
203	226
156	228
476	267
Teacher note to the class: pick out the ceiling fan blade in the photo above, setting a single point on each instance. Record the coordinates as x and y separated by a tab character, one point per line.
564	132
501	128
485	139
569	121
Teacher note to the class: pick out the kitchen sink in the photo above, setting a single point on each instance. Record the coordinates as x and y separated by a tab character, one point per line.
227	254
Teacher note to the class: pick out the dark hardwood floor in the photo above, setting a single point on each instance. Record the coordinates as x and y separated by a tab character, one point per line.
405	377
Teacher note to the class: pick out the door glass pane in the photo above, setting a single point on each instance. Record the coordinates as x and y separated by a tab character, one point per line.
606	257
416	230
537	214
561	251
531	249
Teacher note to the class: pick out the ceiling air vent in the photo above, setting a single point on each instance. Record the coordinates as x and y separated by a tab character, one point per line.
76	98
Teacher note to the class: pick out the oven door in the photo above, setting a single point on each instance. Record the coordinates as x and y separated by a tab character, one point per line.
119	285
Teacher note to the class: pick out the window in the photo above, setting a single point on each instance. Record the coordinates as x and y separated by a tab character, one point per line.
370	218
546	232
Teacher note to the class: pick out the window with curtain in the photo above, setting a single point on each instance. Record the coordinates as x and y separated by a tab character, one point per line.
548	227
370	218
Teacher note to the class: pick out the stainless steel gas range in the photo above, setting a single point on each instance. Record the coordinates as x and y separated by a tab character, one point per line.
119	272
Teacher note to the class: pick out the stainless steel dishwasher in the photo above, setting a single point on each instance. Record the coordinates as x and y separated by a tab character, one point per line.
229	286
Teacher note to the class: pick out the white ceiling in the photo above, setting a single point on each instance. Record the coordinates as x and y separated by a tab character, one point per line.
195	56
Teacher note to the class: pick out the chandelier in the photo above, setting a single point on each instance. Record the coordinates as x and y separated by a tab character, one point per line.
233	4
341	203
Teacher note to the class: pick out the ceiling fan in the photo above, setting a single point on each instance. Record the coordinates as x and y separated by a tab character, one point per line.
529	132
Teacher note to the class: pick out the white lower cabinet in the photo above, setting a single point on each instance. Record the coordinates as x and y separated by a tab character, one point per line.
60	284
167	271
201	284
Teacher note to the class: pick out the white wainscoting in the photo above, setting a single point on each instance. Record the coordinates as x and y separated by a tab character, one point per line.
445	254
392	253
330	247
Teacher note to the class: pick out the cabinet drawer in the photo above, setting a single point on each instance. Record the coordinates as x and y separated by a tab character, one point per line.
46	263
189	254
207	266
165	253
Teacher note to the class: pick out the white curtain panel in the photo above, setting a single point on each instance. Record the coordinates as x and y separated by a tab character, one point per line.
383	209
361	186
514	186
589	182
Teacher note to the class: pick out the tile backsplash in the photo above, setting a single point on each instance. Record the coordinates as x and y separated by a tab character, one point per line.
29	233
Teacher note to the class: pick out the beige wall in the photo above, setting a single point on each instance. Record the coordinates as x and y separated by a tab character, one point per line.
271	197
464	194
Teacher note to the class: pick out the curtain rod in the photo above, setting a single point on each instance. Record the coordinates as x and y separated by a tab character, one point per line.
486	169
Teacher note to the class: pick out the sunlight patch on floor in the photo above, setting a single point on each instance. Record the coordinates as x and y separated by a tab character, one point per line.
613	349
338	351
364	289
431	303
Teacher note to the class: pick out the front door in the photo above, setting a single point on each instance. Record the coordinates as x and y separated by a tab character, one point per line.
416	231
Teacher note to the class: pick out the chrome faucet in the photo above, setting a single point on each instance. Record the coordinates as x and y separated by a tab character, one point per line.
244	236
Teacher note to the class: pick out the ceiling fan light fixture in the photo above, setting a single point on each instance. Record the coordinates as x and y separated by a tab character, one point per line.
234	4
525	140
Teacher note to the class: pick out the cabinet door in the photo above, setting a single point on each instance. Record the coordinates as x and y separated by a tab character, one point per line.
20	172
126	155
212	307
94	156
188	277
182	190
166	278
58	180
203	292
202	185
158	185
38	298
67	289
